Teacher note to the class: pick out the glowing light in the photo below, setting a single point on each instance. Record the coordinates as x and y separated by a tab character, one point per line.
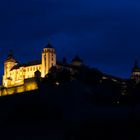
118	102
16	78
57	83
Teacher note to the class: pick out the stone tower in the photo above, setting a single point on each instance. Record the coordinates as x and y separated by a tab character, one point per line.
8	65
136	72
48	59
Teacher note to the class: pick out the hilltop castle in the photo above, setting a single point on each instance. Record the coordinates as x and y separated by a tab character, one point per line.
21	77
15	73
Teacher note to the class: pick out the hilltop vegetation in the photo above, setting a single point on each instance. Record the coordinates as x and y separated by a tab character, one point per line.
72	105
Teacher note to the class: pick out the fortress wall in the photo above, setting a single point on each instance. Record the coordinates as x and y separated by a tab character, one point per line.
29	84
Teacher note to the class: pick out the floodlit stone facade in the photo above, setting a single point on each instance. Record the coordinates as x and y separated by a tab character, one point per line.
19	77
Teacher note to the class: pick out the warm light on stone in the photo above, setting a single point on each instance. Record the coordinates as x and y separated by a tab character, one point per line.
15	78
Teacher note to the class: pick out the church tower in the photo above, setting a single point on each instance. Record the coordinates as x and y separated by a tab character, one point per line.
48	59
9	63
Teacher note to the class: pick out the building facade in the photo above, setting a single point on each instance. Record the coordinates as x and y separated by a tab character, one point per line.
18	75
19	78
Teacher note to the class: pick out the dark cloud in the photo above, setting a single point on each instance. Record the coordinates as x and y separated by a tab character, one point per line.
104	33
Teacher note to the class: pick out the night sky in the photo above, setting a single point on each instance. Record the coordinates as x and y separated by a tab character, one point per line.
105	33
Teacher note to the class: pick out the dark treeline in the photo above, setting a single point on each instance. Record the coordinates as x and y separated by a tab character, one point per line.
100	90
90	106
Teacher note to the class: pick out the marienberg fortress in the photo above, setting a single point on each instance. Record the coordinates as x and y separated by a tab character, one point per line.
19	78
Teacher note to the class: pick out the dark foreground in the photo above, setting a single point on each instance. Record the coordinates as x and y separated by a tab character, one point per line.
65	116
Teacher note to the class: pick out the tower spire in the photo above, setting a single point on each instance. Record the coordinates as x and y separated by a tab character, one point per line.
49	45
10	56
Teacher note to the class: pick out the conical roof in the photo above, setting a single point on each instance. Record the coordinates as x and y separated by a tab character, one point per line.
49	45
77	59
136	67
10	57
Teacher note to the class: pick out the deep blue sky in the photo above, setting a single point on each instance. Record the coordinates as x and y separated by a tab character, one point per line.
105	33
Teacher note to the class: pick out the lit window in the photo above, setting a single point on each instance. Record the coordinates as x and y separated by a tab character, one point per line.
57	83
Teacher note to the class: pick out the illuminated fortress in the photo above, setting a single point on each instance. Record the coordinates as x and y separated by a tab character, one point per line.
20	77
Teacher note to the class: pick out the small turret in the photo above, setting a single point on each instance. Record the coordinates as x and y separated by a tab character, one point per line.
10	57
9	63
136	72
77	61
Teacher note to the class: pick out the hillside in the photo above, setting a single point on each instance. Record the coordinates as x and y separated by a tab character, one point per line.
65	112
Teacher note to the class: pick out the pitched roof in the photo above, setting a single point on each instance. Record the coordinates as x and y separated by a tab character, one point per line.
31	63
49	45
11	57
77	58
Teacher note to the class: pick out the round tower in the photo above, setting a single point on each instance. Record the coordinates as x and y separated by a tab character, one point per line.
9	63
48	59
